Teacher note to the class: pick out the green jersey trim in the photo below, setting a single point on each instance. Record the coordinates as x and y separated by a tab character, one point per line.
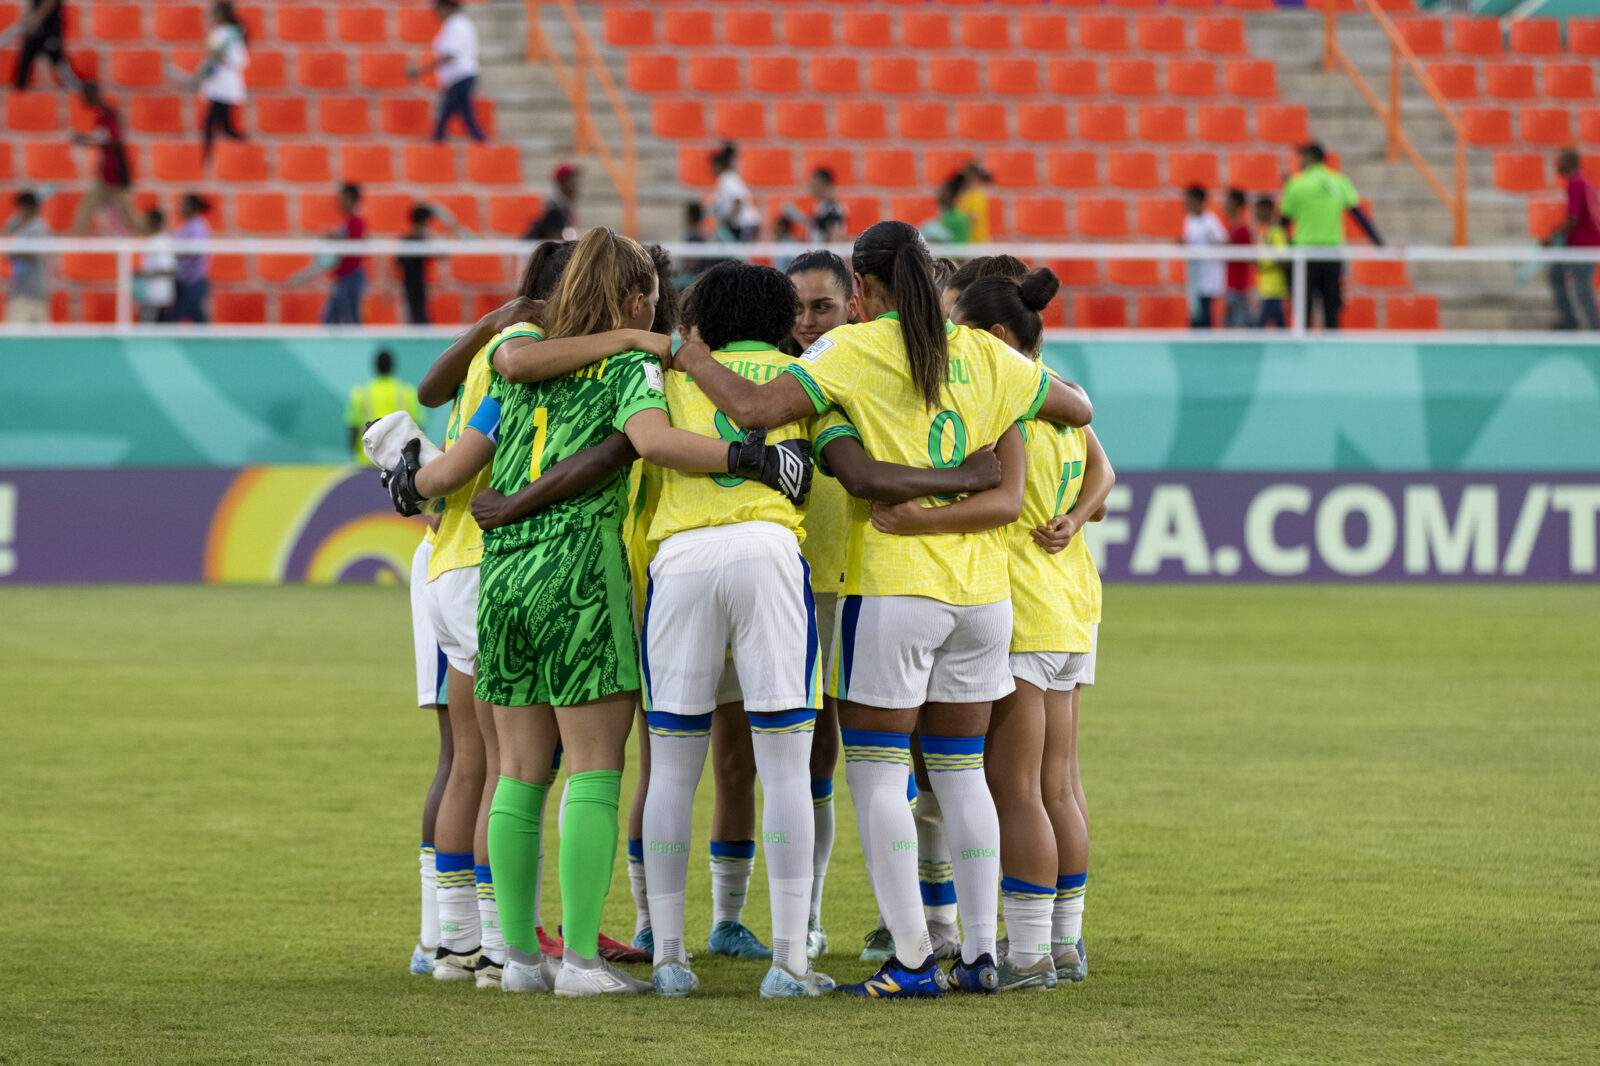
1038	396
644	403
807	382
827	437
747	346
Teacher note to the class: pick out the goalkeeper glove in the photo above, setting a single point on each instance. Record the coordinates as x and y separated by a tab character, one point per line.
401	480
785	466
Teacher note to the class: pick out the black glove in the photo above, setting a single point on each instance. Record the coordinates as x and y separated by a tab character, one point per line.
785	466
402	480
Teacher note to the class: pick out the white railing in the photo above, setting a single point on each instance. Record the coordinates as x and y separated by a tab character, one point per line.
128	250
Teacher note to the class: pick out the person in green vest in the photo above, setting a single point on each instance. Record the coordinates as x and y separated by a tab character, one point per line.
1314	203
383	395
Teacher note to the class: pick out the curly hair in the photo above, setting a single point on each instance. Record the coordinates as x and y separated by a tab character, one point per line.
667	306
736	301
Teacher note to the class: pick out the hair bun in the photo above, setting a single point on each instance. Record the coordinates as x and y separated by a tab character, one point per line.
1039	288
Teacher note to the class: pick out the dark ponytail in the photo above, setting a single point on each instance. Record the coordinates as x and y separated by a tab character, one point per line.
893	253
543	271
1016	305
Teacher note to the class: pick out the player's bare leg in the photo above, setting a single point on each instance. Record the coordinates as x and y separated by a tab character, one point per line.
1062	792
733	828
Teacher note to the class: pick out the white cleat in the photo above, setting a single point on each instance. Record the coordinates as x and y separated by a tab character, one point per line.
529	976
816	940
781	984
603	979
489	973
421	961
674	980
946	941
449	966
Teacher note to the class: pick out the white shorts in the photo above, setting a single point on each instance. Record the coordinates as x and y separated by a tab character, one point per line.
430	660
904	651
452	599
1057	671
742	587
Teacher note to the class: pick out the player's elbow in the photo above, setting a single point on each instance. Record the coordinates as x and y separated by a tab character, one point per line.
861	481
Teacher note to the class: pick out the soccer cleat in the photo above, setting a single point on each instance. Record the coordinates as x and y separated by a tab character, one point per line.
489	972
816	940
455	966
529	976
979	976
946	941
894	981
617	951
880	946
733	938
551	947
674	980
645	940
602	980
1072	962
781	984
421	961
1041	975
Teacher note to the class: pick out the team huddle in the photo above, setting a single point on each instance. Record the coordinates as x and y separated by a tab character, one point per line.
844	513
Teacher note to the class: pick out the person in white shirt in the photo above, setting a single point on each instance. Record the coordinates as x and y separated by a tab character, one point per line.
1202	229
155	286
221	74
737	216
455	61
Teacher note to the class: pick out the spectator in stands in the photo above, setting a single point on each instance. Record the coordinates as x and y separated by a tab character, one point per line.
732	205
113	182
974	201
1580	229
28	292
455	61
1272	277
414	268
43	35
783	232
1314	202
951	225
350	271
383	395
1236	306
694	232
222	74
1201	229
828	220
154	291
559	222
192	284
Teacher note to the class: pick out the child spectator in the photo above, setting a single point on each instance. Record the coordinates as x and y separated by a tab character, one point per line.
28	293
1272	280
192	285
154	289
1205	277
1236	309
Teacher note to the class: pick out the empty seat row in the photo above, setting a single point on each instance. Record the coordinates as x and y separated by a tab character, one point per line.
346	115
651	72
178	23
1514	81
1482	36
145	68
1551	127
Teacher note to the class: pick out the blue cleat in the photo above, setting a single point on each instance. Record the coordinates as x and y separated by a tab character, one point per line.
1072	962
732	938
895	981
781	984
645	940
421	961
674	980
981	976
879	946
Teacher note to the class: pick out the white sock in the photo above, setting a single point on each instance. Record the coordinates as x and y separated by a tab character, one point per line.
458	902
822	843
637	885
678	746
732	862
876	766
934	876
494	941
1066	924
428	936
1029	908
788	831
955	770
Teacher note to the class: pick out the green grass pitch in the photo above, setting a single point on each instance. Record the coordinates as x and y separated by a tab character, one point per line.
1330	825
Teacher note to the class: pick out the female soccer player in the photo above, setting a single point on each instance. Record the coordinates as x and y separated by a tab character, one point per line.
923	628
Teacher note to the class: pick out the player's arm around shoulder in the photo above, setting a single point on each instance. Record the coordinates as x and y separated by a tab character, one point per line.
572	476
1090	506
978	513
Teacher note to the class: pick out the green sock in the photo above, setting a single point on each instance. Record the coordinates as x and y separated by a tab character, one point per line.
588	850
514	855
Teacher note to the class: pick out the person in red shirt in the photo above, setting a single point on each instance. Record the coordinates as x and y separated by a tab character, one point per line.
113	182
1236	314
350	272
1580	229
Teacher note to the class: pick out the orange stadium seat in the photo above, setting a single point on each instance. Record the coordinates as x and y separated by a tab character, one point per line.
1548	126
239	308
805	120
775	74
1014	77
714	74
1379	273
7	166
1099	312
59	209
1425	36
807	29
326	70
1072	168
232	268
862	120
178	23
155	114
99	307
268	70
678	118
365	163
1536	37
32	113
1040	216
388	212
1159	218
117	22
1133	272
1076	271
361	25
941	164
927	31
510	213
1163	123
300	308
1131	77
1192	168
750	29
1476	36
1255	78
1103	33
265	212
835	74
1569	81
1455	81
767	168
1132	170
1282	124
1045	33
1412	312
913	209
1544	216
738	120
1589	125
922	121
344	115
862	210
953	75
1221	123
894	74
304	163
379	309
652	73
444	308
1073	77
866	29
621	26
464	208
1191	77
494	164
1511	81
1012	169
1583	36
985	31
691	27
1100	216
319	212
176	162
1159	33
1220	35
1257	171
302	25
1161	312
237	161
137	69
88	266
254	17
1046	122
1106	123
985	122
429	163
478	269
841	161
1486	126
382	70
1519	172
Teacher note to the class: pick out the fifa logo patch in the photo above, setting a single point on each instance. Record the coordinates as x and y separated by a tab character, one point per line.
818	347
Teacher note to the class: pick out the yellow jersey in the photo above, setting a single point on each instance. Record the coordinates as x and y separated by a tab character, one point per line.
459	542
827	526
381	396
1055	599
644	492
696	501
862	370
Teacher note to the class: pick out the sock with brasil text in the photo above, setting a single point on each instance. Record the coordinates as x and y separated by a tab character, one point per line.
428	935
514	835
822	841
1066	924
637	884
494	943
588	850
678	746
955	772
458	902
876	766
731	864
782	743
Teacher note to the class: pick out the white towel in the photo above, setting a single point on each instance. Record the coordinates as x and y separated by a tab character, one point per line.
385	438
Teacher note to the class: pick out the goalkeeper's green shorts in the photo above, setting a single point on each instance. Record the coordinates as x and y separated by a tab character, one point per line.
555	621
